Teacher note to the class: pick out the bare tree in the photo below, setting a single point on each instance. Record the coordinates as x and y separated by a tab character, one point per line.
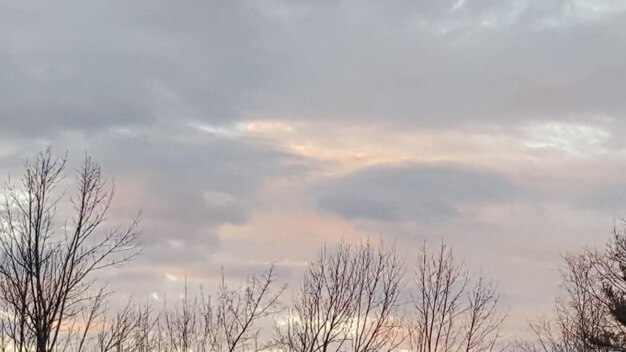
590	314
548	338
46	265
348	300
587	314
226	322
124	332
584	317
129	329
452	312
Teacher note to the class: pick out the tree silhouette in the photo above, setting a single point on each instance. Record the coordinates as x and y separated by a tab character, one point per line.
348	301
452	310
46	264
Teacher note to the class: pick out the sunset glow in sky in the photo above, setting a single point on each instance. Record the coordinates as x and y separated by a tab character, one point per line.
251	132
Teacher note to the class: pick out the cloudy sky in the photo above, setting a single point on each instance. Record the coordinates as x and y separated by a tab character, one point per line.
250	132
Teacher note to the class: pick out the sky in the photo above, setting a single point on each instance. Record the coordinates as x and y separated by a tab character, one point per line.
251	132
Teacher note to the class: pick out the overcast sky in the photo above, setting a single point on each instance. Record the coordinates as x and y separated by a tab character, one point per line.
250	132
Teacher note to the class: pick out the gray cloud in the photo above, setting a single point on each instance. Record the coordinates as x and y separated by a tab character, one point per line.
187	183
411	192
486	63
193	183
86	67
609	199
73	66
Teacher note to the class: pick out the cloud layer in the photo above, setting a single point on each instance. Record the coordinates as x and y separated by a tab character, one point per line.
252	131
428	193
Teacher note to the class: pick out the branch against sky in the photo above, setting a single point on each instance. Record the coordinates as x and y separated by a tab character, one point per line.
47	263
349	300
228	321
452	310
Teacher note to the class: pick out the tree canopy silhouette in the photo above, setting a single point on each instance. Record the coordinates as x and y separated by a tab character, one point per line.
51	242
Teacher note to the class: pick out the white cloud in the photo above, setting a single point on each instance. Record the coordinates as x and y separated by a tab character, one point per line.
570	139
230	130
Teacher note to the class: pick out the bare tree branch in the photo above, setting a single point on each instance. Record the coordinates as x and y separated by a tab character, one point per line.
45	275
348	300
449	312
